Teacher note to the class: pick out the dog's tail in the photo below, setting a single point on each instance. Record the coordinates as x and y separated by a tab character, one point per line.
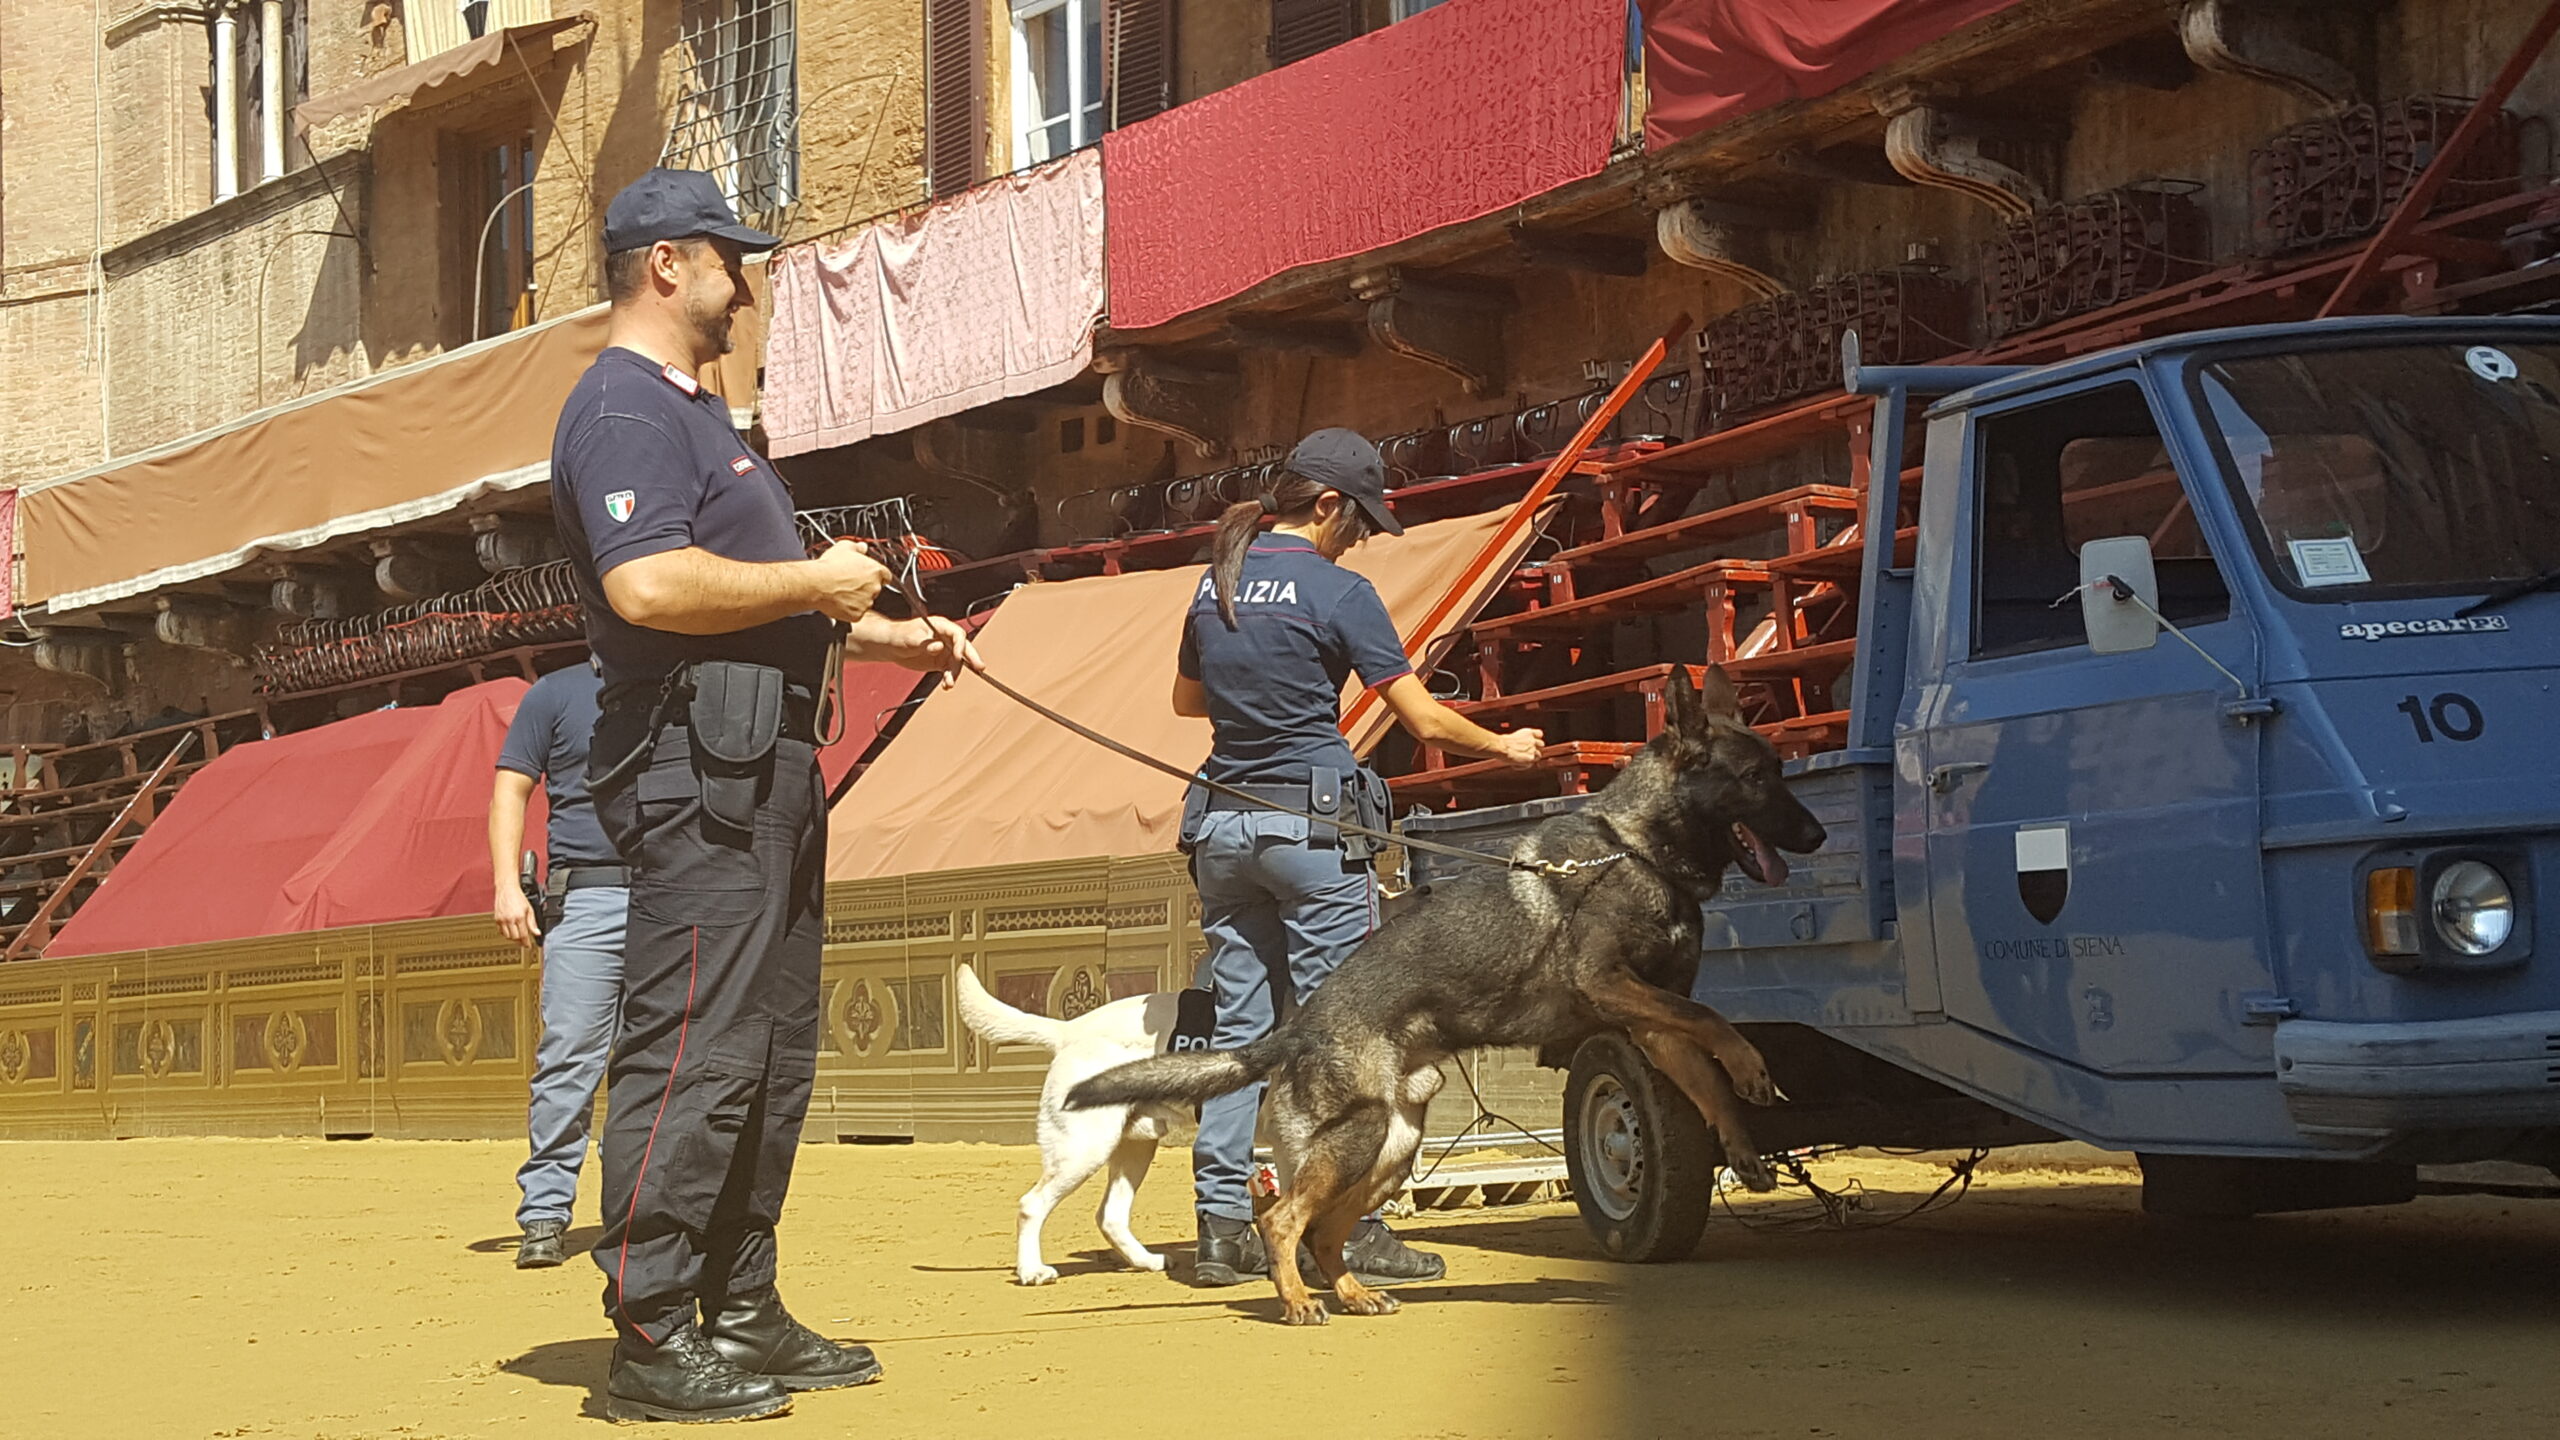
1189	1077
997	1023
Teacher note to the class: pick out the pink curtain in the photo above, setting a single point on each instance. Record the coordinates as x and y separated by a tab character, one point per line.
991	293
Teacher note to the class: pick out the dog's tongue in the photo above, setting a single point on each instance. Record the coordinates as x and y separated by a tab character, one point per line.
1764	856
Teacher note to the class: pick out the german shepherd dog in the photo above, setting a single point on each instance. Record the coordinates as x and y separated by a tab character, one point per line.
1517	958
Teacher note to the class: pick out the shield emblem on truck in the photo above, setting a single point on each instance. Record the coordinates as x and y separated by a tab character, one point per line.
2044	869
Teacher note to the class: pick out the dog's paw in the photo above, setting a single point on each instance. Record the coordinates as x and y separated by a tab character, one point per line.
1036	1275
1753	1173
1750	1076
1370	1302
1145	1260
1306	1312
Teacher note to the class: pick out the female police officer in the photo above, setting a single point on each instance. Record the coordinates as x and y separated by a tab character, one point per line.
1272	633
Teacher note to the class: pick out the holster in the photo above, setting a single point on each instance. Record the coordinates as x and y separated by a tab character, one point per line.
736	716
1195	812
1366	802
535	893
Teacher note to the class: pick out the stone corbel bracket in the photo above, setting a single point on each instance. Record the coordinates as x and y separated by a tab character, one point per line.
1933	145
197	622
2273	45
1704	236
1459	331
1149	391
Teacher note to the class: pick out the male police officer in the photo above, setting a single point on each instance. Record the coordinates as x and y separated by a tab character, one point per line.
585	895
712	631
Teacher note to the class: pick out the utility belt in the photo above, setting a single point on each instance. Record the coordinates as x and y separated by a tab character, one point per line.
1327	794
733	712
565	878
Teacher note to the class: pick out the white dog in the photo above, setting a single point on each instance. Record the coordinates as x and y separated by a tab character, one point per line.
1076	1143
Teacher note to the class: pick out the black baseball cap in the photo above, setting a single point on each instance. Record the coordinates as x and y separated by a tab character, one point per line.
1344	460
675	205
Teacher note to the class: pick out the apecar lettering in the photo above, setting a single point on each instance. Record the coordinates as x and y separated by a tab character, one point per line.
2450	625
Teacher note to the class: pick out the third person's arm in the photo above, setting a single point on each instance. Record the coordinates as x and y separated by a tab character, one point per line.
1436	724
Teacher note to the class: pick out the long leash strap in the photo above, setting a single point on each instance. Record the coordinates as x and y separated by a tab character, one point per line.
1556	868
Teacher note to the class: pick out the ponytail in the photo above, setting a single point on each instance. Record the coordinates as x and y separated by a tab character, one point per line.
1237	526
1291	498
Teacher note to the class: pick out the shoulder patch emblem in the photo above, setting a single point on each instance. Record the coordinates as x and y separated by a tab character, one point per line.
618	505
743	465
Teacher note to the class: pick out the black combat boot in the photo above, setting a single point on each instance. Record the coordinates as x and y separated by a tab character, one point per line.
1377	1257
684	1380
543	1245
1230	1251
761	1338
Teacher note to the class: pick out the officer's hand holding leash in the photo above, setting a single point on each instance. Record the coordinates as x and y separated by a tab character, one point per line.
848	581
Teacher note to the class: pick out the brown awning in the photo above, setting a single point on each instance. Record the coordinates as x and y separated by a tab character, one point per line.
975	779
386	450
442	77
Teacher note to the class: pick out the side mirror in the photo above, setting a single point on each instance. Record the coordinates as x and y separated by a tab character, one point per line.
2112	572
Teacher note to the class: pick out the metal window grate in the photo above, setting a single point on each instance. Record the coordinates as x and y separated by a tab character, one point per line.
738	107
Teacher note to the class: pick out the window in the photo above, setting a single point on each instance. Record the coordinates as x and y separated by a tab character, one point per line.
955	149
2056	476
738	111
261	70
2392	470
434	26
1057	78
1300	28
500	209
1407	9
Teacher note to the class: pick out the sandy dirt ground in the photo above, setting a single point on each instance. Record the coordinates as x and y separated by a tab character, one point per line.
187	1288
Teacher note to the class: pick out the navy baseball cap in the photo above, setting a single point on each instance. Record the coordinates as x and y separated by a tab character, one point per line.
1344	460
675	205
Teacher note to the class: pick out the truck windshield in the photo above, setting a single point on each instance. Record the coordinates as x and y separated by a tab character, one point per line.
2421	469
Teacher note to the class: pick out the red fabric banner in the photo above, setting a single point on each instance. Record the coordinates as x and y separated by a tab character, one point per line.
1708	62
1469	107
376	818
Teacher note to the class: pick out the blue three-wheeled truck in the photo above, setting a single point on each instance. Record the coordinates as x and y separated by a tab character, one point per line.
2200	784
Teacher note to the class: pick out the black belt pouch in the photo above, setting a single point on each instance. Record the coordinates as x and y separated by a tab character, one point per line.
1324	801
736	717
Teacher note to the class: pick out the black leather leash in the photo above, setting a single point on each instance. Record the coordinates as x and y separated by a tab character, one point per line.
1557	868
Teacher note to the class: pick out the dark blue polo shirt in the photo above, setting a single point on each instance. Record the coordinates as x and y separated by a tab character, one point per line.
1303	626
644	461
554	724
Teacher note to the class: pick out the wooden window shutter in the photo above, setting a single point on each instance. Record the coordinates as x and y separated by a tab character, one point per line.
1140	67
955	95
1300	28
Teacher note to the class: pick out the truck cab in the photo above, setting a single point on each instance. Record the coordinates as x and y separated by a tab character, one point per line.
2199	788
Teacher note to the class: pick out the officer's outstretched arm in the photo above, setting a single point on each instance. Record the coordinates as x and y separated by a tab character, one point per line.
695	592
1433	723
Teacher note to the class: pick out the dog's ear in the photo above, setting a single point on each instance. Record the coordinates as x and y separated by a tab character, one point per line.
1719	698
1681	712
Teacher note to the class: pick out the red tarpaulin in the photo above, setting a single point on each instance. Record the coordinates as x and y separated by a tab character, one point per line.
1458	112
377	818
1708	62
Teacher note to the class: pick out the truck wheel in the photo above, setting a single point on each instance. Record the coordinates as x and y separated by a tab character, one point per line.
1642	1161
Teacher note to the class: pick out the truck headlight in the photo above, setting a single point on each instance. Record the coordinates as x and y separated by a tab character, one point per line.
2459	909
2473	906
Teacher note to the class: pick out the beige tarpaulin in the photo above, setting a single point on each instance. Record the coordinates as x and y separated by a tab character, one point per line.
975	779
396	447
442	76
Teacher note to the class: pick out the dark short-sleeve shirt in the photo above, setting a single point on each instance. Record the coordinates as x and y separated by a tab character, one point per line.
644	461
548	741
1303	626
